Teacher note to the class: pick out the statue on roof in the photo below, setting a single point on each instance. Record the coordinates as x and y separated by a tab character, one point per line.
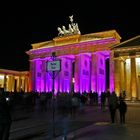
72	29
61	33
65	30
76	28
71	18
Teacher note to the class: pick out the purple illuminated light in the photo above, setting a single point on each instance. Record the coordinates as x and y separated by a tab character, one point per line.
89	74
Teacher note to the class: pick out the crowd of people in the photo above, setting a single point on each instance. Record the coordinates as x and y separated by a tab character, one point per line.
117	103
66	103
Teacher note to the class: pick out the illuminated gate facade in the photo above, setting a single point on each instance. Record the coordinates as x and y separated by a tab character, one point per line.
85	62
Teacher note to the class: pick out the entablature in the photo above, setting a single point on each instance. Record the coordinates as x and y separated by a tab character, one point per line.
83	47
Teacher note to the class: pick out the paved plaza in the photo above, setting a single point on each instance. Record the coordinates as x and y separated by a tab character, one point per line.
105	131
89	124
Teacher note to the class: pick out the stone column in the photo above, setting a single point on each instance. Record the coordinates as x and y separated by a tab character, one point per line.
26	83
44	74
32	76
127	79
111	72
13	82
60	76
18	84
9	83
133	79
28	90
94	72
77	74
122	76
5	83
117	76
23	83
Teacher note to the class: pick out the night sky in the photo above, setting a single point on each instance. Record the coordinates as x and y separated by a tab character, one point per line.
24	23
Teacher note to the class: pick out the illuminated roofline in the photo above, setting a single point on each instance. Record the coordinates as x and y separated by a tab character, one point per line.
81	38
31	51
13	72
114	47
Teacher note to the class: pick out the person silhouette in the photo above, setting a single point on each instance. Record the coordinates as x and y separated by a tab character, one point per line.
122	110
113	103
5	117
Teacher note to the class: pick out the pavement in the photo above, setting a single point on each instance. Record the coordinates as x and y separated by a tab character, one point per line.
92	124
105	131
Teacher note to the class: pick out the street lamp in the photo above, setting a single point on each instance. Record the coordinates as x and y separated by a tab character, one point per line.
53	67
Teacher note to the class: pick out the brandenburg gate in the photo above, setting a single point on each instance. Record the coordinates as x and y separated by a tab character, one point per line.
87	63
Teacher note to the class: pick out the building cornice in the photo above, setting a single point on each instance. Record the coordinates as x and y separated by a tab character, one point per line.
75	44
72	39
5	71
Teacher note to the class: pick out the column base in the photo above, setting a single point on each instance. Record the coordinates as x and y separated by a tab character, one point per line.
133	99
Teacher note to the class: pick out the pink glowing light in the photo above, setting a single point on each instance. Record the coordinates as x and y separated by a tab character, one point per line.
87	76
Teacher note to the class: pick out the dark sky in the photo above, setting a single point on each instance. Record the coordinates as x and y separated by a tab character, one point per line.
24	23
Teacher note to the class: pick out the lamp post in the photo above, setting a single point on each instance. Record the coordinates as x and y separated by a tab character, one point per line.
53	79
53	67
